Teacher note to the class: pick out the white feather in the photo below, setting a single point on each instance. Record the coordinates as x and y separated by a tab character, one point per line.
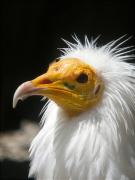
98	144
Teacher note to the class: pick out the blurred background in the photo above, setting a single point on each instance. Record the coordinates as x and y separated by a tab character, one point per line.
31	33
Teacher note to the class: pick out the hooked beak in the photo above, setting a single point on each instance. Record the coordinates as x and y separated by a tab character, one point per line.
23	91
42	86
30	88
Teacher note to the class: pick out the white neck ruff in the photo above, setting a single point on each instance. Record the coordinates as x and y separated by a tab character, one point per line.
98	144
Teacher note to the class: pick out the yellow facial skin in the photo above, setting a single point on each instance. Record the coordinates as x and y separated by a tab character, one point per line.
70	83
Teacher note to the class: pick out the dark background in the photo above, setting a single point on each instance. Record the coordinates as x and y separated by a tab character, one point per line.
31	34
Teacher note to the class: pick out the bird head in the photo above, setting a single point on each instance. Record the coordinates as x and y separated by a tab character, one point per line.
70	83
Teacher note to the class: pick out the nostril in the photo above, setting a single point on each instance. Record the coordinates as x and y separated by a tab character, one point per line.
45	81
56	68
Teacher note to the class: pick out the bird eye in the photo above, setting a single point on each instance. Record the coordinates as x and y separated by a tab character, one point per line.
82	78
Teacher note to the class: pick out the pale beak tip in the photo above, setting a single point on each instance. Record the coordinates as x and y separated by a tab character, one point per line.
15	100
21	92
14	104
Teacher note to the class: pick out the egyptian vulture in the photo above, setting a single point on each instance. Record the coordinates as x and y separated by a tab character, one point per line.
88	126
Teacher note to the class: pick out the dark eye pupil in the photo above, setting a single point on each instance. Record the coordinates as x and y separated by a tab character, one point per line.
82	78
56	60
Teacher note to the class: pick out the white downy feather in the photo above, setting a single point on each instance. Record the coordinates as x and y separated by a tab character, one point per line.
98	144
